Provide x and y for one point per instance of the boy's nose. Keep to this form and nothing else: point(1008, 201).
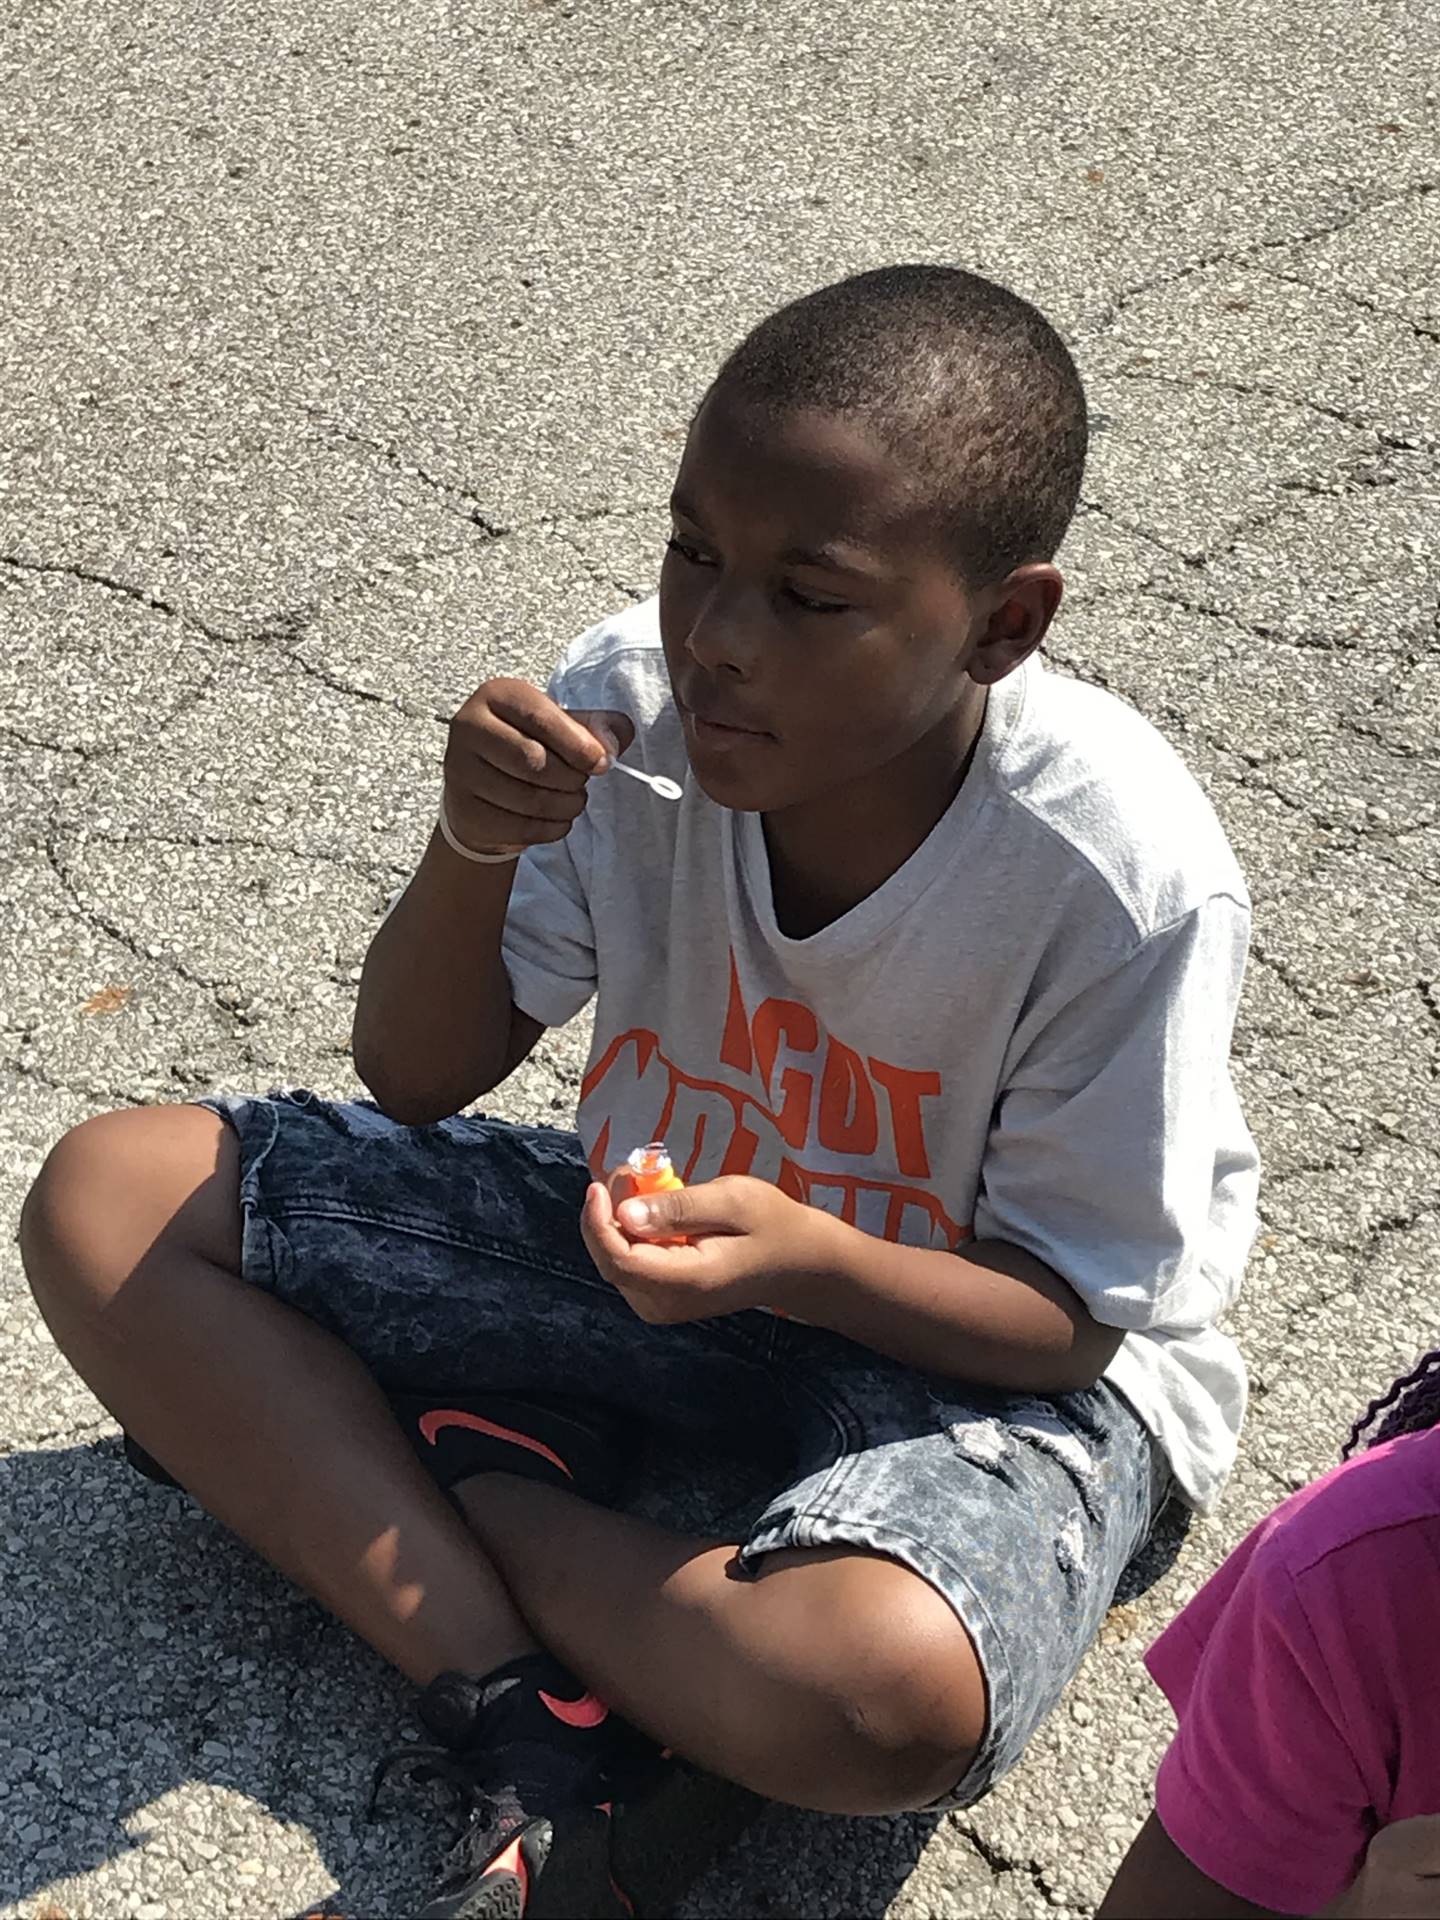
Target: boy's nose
point(722, 637)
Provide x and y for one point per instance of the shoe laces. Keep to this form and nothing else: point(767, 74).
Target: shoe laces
point(474, 1808)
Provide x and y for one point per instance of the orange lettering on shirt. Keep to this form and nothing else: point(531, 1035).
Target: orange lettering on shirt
point(736, 1122)
point(906, 1089)
point(848, 1120)
point(735, 1048)
point(788, 1020)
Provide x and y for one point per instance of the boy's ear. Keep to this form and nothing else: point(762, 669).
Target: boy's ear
point(1020, 609)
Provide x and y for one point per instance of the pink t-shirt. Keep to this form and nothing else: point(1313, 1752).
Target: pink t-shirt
point(1306, 1680)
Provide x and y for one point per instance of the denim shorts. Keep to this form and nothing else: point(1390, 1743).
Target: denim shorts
point(449, 1259)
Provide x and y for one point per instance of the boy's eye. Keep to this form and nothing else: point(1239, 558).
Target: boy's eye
point(688, 553)
point(694, 556)
point(812, 605)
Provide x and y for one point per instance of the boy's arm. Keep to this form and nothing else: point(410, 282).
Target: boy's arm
point(995, 1314)
point(1116, 1194)
point(435, 1023)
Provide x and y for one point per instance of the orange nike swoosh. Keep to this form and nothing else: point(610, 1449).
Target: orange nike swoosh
point(512, 1860)
point(587, 1711)
point(442, 1417)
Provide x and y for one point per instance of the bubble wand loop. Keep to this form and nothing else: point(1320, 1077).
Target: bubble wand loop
point(657, 782)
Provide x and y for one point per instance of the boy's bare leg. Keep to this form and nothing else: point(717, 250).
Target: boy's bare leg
point(837, 1681)
point(131, 1240)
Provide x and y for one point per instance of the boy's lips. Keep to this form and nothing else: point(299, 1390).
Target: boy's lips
point(713, 723)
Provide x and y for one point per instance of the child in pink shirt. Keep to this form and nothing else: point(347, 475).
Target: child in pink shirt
point(1305, 1679)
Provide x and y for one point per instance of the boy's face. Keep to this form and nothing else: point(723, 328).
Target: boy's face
point(813, 630)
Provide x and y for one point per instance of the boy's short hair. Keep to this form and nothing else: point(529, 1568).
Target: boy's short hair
point(963, 379)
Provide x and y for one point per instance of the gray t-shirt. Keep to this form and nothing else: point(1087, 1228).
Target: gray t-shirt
point(1022, 1035)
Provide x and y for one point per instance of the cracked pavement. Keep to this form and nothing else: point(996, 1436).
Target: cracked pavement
point(348, 351)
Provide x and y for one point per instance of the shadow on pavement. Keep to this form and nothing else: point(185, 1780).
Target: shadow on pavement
point(1158, 1555)
point(148, 1659)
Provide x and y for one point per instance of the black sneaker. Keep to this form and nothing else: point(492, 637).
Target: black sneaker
point(570, 1442)
point(505, 1866)
point(575, 1443)
point(531, 1763)
point(670, 1823)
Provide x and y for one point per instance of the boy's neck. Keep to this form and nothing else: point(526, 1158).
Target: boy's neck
point(829, 854)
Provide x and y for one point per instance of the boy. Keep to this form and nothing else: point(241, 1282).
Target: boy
point(928, 983)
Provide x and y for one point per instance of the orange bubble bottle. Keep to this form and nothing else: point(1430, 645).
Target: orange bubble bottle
point(649, 1169)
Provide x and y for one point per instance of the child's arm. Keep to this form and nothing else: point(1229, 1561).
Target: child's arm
point(435, 1024)
point(994, 1314)
point(1400, 1880)
point(435, 1020)
point(1288, 1673)
point(1116, 1193)
point(1157, 1881)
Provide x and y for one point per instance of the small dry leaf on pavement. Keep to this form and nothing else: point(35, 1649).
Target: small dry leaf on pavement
point(107, 1000)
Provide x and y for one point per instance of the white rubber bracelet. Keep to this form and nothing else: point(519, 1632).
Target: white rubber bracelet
point(447, 834)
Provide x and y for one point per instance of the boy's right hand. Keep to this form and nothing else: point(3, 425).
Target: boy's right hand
point(517, 765)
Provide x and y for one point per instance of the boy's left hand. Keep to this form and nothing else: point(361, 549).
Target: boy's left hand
point(746, 1244)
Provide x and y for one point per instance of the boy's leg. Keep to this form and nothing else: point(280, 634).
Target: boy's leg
point(832, 1679)
point(809, 1666)
point(131, 1240)
point(842, 1679)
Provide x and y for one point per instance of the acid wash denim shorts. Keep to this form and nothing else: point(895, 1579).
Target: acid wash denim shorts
point(449, 1259)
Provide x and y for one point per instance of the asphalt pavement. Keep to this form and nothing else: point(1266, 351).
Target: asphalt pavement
point(345, 356)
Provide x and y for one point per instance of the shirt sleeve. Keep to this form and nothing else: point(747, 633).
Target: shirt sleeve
point(1118, 1154)
point(549, 941)
point(1260, 1789)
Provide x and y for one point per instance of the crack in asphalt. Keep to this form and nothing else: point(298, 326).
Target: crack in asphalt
point(93, 1090)
point(1240, 256)
point(38, 745)
point(1204, 609)
point(392, 702)
point(596, 572)
point(197, 839)
point(1354, 298)
point(67, 1430)
point(91, 577)
point(1187, 556)
point(113, 930)
point(999, 1862)
point(1261, 955)
point(1360, 1255)
point(390, 456)
point(1358, 1115)
point(1265, 390)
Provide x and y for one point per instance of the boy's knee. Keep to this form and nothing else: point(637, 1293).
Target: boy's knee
point(61, 1220)
point(895, 1665)
point(922, 1725)
point(112, 1187)
point(917, 1698)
